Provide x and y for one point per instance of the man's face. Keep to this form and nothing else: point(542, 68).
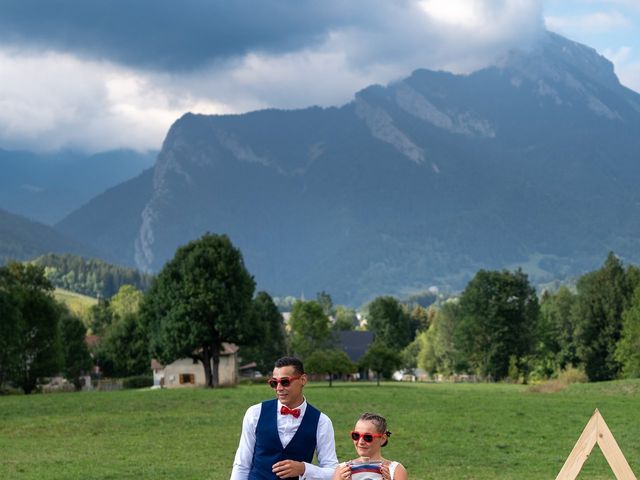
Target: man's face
point(290, 396)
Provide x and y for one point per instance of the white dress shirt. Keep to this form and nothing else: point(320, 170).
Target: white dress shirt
point(287, 428)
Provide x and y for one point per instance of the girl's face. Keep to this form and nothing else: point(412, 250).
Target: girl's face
point(364, 448)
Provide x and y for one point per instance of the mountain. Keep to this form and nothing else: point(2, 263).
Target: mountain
point(532, 162)
point(48, 186)
point(23, 239)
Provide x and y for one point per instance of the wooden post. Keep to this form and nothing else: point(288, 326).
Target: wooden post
point(598, 432)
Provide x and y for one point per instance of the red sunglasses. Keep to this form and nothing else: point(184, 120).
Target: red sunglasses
point(367, 437)
point(284, 381)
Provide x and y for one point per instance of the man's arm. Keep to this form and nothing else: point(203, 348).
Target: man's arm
point(244, 454)
point(326, 449)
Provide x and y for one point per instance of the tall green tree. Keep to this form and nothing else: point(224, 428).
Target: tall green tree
point(201, 298)
point(556, 329)
point(36, 336)
point(628, 347)
point(498, 312)
point(438, 350)
point(332, 362)
point(390, 323)
point(346, 319)
point(127, 301)
point(325, 301)
point(75, 353)
point(382, 359)
point(124, 347)
point(273, 345)
point(310, 329)
point(9, 329)
point(601, 298)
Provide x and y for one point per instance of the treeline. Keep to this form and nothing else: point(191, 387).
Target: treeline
point(90, 277)
point(497, 329)
point(38, 336)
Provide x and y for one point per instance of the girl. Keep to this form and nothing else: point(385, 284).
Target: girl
point(369, 436)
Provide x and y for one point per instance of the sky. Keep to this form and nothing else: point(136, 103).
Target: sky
point(100, 75)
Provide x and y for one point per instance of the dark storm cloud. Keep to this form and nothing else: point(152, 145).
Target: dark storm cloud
point(170, 34)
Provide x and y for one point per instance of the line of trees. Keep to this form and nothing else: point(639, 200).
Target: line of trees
point(497, 328)
point(90, 277)
point(38, 336)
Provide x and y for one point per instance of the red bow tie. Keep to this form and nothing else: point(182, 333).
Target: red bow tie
point(290, 411)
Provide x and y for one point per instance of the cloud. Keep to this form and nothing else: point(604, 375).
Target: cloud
point(102, 75)
point(596, 22)
point(627, 62)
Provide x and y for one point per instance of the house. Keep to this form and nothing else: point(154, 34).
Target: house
point(355, 344)
point(186, 372)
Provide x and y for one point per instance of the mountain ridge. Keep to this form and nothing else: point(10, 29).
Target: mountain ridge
point(418, 183)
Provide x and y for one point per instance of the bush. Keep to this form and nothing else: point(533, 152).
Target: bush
point(139, 381)
point(7, 390)
point(565, 377)
point(572, 375)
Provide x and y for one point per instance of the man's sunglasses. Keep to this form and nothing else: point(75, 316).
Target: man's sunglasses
point(367, 437)
point(284, 381)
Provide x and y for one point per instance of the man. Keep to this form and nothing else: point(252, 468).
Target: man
point(280, 436)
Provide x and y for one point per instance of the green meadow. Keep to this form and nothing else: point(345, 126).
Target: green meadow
point(440, 431)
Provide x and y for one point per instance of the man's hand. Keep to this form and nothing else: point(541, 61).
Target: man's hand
point(288, 468)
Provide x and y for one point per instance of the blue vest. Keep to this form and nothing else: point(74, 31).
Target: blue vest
point(268, 449)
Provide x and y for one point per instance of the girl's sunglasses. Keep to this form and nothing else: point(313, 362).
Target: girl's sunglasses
point(367, 437)
point(284, 381)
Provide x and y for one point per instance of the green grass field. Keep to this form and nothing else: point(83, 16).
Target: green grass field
point(77, 303)
point(439, 431)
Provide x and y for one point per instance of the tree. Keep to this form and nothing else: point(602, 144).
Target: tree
point(498, 312)
point(124, 348)
point(438, 350)
point(325, 301)
point(100, 317)
point(310, 329)
point(36, 341)
point(9, 333)
point(201, 298)
point(556, 329)
point(602, 297)
point(331, 362)
point(75, 353)
point(380, 358)
point(346, 319)
point(272, 343)
point(628, 348)
point(389, 322)
point(127, 301)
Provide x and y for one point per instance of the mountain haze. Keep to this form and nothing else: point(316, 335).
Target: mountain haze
point(48, 186)
point(532, 162)
point(24, 239)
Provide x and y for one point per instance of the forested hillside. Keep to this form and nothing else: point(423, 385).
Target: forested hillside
point(23, 239)
point(91, 277)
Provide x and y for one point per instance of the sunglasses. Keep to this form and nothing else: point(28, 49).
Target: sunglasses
point(284, 381)
point(367, 437)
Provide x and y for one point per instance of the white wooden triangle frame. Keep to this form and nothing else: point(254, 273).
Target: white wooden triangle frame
point(596, 431)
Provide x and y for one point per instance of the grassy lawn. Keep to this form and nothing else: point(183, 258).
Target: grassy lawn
point(439, 431)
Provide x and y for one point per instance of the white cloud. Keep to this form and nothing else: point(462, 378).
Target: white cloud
point(595, 22)
point(627, 66)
